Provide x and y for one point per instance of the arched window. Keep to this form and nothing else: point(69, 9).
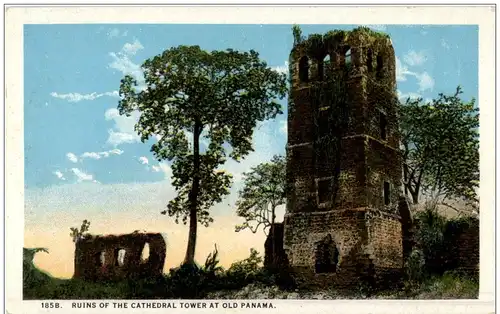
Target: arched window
point(383, 126)
point(347, 57)
point(369, 60)
point(120, 257)
point(387, 193)
point(327, 256)
point(322, 65)
point(145, 253)
point(304, 69)
point(101, 258)
point(380, 66)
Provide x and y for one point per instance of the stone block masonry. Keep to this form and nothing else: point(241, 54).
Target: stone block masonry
point(343, 223)
point(117, 257)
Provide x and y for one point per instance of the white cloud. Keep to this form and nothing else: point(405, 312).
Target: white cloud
point(82, 176)
point(91, 155)
point(72, 157)
point(284, 127)
point(404, 96)
point(76, 97)
point(117, 138)
point(59, 175)
point(413, 58)
point(143, 160)
point(163, 167)
point(425, 82)
point(99, 155)
point(114, 32)
point(124, 127)
point(121, 61)
point(377, 27)
point(116, 151)
point(155, 168)
point(132, 48)
point(401, 71)
point(282, 68)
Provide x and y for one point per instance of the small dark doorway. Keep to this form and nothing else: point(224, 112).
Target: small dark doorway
point(369, 61)
point(304, 69)
point(325, 190)
point(387, 193)
point(327, 256)
point(380, 66)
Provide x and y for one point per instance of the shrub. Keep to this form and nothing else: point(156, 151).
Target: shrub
point(430, 239)
point(194, 281)
point(243, 272)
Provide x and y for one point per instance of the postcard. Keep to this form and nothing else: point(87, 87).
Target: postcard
point(258, 158)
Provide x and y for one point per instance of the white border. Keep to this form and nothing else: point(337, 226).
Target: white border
point(483, 16)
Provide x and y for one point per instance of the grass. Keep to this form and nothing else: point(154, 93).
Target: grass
point(39, 285)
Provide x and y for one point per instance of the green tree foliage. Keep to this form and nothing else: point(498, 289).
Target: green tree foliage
point(440, 142)
point(297, 34)
point(192, 95)
point(263, 191)
point(76, 233)
point(247, 268)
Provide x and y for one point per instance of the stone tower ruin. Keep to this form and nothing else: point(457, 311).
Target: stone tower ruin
point(344, 170)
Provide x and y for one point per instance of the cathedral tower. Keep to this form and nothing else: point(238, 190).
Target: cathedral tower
point(344, 167)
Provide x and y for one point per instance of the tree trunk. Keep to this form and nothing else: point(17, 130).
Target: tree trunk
point(273, 242)
point(193, 197)
point(405, 179)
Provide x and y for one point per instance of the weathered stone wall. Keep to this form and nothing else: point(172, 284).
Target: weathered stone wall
point(275, 256)
point(96, 257)
point(463, 240)
point(304, 230)
point(385, 240)
point(467, 245)
point(344, 169)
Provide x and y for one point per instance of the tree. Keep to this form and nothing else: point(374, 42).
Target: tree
point(76, 234)
point(297, 34)
point(219, 96)
point(440, 145)
point(263, 191)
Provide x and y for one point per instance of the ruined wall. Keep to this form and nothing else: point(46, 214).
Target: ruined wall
point(275, 256)
point(385, 240)
point(463, 240)
point(344, 169)
point(97, 257)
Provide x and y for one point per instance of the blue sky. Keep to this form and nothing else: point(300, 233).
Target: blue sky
point(72, 74)
point(83, 160)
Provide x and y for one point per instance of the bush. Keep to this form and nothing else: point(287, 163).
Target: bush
point(450, 285)
point(435, 254)
point(431, 241)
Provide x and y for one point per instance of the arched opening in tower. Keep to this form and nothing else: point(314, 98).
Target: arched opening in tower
point(101, 258)
point(348, 58)
point(323, 66)
point(383, 126)
point(145, 253)
point(120, 257)
point(369, 60)
point(380, 66)
point(304, 69)
point(327, 256)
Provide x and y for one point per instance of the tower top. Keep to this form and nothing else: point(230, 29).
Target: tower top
point(360, 51)
point(318, 45)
